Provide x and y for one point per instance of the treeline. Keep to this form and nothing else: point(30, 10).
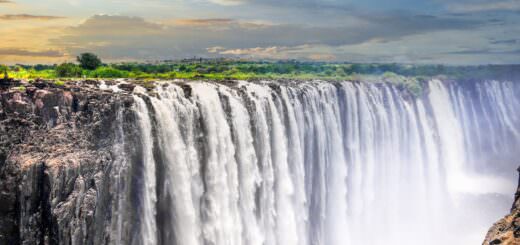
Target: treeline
point(324, 69)
point(90, 66)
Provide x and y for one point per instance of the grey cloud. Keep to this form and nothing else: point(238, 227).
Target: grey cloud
point(475, 6)
point(496, 20)
point(293, 4)
point(470, 51)
point(203, 22)
point(508, 41)
point(228, 2)
point(483, 51)
point(131, 37)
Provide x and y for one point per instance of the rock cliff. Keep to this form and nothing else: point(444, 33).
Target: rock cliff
point(507, 230)
point(55, 161)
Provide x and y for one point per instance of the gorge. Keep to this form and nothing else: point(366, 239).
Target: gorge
point(258, 162)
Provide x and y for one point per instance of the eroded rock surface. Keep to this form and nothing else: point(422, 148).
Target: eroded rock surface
point(507, 230)
point(55, 160)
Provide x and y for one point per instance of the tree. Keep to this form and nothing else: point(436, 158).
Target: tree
point(89, 61)
point(68, 70)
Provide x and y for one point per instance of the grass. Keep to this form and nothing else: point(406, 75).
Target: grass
point(32, 74)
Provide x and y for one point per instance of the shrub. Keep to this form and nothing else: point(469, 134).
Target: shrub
point(68, 70)
point(109, 72)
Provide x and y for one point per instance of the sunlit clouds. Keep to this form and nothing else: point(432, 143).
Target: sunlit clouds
point(480, 32)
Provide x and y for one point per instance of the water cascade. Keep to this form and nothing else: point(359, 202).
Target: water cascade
point(321, 163)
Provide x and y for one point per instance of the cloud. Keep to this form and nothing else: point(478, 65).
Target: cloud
point(228, 2)
point(506, 42)
point(202, 22)
point(5, 1)
point(260, 52)
point(122, 36)
point(28, 17)
point(322, 5)
point(215, 49)
point(484, 6)
point(100, 26)
point(303, 52)
point(24, 52)
point(485, 51)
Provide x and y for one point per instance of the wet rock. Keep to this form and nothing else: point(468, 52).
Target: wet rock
point(496, 241)
point(127, 87)
point(187, 90)
point(40, 84)
point(507, 230)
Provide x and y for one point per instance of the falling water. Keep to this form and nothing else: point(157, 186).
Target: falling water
point(322, 163)
point(148, 226)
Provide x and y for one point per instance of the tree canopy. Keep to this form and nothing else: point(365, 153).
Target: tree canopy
point(89, 61)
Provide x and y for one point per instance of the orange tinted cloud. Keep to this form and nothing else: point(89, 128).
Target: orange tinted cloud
point(28, 17)
point(28, 41)
point(24, 52)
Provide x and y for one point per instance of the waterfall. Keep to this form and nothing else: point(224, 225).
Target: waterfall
point(322, 163)
point(149, 197)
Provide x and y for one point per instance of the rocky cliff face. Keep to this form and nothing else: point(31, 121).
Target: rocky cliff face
point(55, 162)
point(507, 230)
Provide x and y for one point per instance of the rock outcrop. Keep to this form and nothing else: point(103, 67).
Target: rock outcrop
point(507, 230)
point(55, 159)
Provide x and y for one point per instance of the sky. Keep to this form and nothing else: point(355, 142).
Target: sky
point(454, 32)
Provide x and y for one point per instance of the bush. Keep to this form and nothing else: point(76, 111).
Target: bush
point(68, 70)
point(109, 72)
point(89, 61)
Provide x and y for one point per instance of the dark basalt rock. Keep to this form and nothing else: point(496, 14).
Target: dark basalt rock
point(55, 157)
point(187, 90)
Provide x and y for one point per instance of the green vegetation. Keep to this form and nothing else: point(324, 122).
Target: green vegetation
point(219, 69)
point(410, 77)
point(68, 70)
point(89, 61)
point(59, 83)
point(4, 71)
point(411, 83)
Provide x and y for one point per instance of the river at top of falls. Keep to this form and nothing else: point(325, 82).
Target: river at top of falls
point(321, 163)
